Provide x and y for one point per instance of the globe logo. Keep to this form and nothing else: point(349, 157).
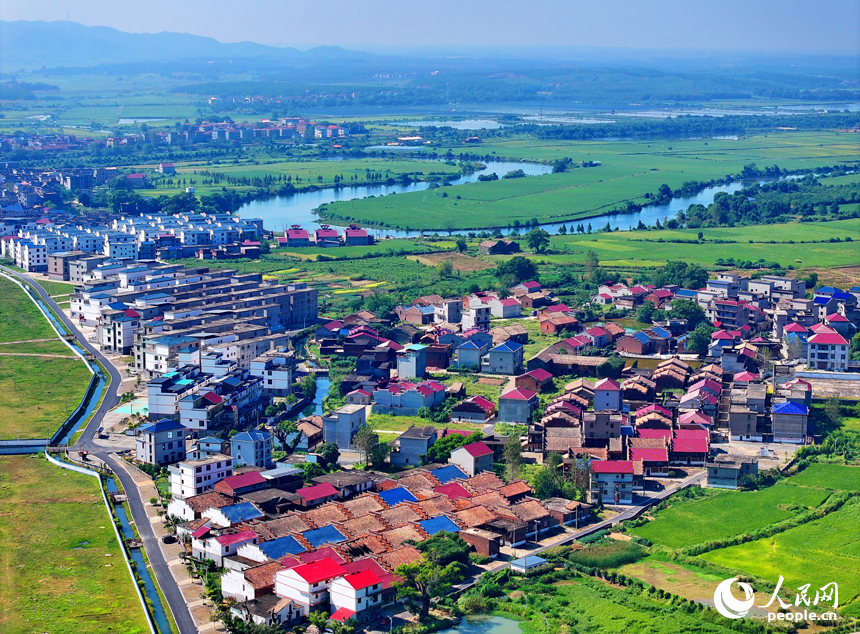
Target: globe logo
point(728, 605)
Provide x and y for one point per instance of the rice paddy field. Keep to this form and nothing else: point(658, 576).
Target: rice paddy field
point(819, 552)
point(723, 514)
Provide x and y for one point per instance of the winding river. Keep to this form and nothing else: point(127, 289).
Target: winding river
point(281, 211)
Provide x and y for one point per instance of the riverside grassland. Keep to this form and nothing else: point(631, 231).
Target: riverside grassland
point(41, 380)
point(627, 171)
point(62, 568)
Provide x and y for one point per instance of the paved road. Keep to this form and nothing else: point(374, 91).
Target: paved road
point(85, 443)
point(629, 513)
point(150, 542)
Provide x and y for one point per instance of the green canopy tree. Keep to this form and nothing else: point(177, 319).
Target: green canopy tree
point(538, 240)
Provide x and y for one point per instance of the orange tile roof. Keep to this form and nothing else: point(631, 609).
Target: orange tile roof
point(363, 504)
point(263, 576)
point(400, 515)
point(403, 555)
point(327, 514)
point(397, 536)
point(475, 516)
point(515, 488)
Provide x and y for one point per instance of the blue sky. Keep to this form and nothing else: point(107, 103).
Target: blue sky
point(823, 26)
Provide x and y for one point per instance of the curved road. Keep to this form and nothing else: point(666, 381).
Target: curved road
point(111, 399)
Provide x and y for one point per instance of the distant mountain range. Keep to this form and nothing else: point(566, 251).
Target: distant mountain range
point(26, 44)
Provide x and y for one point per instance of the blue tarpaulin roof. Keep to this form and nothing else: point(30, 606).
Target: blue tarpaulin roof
point(446, 474)
point(241, 512)
point(281, 547)
point(325, 535)
point(396, 496)
point(439, 524)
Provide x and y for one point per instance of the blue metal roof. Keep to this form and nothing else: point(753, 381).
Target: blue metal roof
point(822, 300)
point(446, 474)
point(531, 560)
point(164, 424)
point(250, 436)
point(242, 512)
point(641, 336)
point(438, 524)
point(661, 331)
point(842, 295)
point(828, 289)
point(398, 495)
point(790, 408)
point(281, 547)
point(325, 535)
point(469, 345)
point(684, 293)
point(509, 346)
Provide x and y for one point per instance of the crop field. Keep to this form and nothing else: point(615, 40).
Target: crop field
point(459, 261)
point(725, 513)
point(39, 392)
point(628, 170)
point(819, 552)
point(642, 248)
point(62, 568)
point(828, 476)
point(589, 605)
point(395, 246)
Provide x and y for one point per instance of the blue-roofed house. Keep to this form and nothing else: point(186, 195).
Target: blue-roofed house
point(397, 495)
point(790, 422)
point(322, 536)
point(686, 293)
point(505, 358)
point(469, 355)
point(272, 550)
point(253, 448)
point(446, 474)
point(233, 514)
point(636, 343)
point(826, 291)
point(524, 565)
point(160, 443)
point(438, 524)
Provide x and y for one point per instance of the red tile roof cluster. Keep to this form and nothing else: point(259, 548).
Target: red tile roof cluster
point(235, 538)
point(320, 570)
point(519, 394)
point(317, 491)
point(612, 466)
point(478, 449)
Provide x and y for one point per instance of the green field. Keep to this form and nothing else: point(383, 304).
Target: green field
point(391, 247)
point(642, 248)
point(828, 476)
point(64, 571)
point(39, 393)
point(628, 170)
point(819, 552)
point(402, 423)
point(723, 514)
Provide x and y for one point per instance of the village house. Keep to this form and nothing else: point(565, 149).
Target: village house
point(506, 358)
point(473, 458)
point(409, 446)
point(611, 482)
point(475, 409)
point(728, 470)
point(517, 405)
point(536, 380)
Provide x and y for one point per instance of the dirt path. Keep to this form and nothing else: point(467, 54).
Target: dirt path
point(9, 343)
point(33, 354)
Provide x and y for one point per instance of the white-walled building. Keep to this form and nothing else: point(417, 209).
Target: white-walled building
point(308, 585)
point(193, 477)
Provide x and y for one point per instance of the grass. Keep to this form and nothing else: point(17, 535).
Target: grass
point(828, 476)
point(53, 581)
point(612, 555)
point(56, 289)
point(391, 247)
point(628, 170)
point(589, 605)
point(724, 514)
point(38, 392)
point(402, 423)
point(819, 552)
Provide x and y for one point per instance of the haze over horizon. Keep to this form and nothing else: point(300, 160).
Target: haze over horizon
point(791, 26)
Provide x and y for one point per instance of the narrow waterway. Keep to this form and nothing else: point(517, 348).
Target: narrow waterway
point(136, 554)
point(486, 625)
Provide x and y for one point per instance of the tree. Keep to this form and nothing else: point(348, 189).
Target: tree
point(461, 245)
point(793, 347)
point(308, 385)
point(449, 225)
point(689, 310)
point(329, 454)
point(445, 268)
point(833, 410)
point(440, 450)
point(538, 240)
point(312, 470)
point(591, 265)
point(320, 619)
point(379, 454)
point(699, 340)
point(364, 440)
point(424, 580)
point(517, 269)
point(546, 483)
point(646, 312)
point(513, 456)
point(855, 346)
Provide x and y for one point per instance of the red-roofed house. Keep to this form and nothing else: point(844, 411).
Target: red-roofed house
point(354, 236)
point(607, 395)
point(611, 482)
point(357, 594)
point(218, 547)
point(516, 406)
point(237, 485)
point(598, 336)
point(655, 460)
point(297, 237)
point(689, 447)
point(473, 409)
point(325, 236)
point(535, 381)
point(453, 490)
point(317, 494)
point(827, 351)
point(473, 458)
point(308, 584)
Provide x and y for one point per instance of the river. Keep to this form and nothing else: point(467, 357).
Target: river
point(282, 211)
